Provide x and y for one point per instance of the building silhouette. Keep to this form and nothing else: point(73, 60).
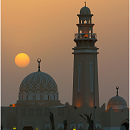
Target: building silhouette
point(39, 107)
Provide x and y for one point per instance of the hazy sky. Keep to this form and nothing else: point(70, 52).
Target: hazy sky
point(45, 29)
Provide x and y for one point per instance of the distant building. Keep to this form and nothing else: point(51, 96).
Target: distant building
point(39, 107)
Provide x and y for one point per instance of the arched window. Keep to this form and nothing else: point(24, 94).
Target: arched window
point(125, 126)
point(89, 31)
point(60, 128)
point(30, 96)
point(80, 31)
point(47, 126)
point(38, 96)
point(56, 96)
point(51, 96)
point(45, 96)
point(85, 22)
point(24, 96)
point(80, 128)
point(89, 21)
point(20, 96)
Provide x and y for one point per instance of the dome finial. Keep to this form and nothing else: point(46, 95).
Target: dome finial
point(85, 3)
point(38, 60)
point(117, 90)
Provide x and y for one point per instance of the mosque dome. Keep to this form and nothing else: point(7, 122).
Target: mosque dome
point(38, 81)
point(117, 103)
point(85, 10)
point(38, 86)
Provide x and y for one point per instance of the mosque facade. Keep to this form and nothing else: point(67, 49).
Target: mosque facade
point(39, 107)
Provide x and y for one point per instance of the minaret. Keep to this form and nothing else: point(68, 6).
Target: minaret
point(85, 75)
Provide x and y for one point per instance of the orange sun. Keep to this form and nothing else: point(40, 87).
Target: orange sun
point(22, 60)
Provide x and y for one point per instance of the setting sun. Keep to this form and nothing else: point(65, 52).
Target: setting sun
point(22, 60)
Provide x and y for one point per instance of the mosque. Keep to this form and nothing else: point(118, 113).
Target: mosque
point(39, 107)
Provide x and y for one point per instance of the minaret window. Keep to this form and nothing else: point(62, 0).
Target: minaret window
point(82, 21)
point(91, 76)
point(80, 31)
point(89, 31)
point(85, 22)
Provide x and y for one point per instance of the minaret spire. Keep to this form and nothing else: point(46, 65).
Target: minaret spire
point(117, 90)
point(38, 60)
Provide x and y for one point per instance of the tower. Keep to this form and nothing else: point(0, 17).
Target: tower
point(85, 75)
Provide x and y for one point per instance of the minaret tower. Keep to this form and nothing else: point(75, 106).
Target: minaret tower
point(85, 75)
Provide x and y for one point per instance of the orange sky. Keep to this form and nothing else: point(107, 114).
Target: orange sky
point(46, 29)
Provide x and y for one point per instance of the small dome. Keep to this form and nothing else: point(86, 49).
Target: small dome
point(117, 103)
point(38, 86)
point(85, 10)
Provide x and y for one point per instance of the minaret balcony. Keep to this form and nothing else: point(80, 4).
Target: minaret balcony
point(85, 36)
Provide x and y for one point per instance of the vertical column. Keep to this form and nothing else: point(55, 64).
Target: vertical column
point(91, 76)
point(79, 75)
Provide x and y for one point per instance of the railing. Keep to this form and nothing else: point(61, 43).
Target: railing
point(85, 35)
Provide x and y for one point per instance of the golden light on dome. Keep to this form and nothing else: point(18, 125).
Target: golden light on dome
point(22, 60)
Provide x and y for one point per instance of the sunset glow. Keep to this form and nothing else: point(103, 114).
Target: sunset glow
point(29, 26)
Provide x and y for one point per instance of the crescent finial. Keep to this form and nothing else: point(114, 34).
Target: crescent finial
point(85, 3)
point(117, 90)
point(38, 60)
